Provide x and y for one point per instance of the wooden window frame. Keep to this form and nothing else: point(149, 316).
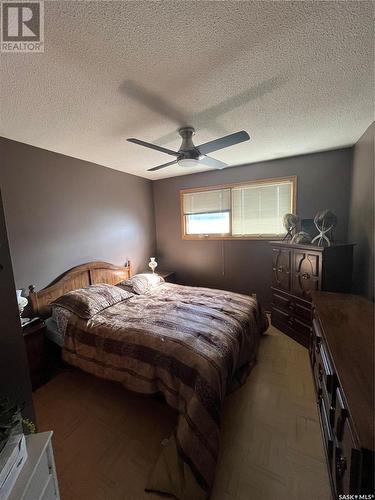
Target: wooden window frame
point(265, 237)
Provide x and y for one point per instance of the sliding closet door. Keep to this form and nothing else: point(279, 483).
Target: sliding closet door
point(14, 373)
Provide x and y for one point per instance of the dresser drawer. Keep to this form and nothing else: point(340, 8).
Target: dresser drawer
point(49, 492)
point(329, 403)
point(288, 323)
point(38, 480)
point(315, 340)
point(340, 416)
point(327, 434)
point(316, 326)
point(303, 310)
point(281, 300)
point(299, 308)
point(318, 384)
point(326, 373)
point(346, 459)
point(289, 318)
point(312, 344)
point(302, 327)
point(281, 319)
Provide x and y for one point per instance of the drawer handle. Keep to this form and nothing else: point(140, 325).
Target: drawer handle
point(290, 320)
point(341, 466)
point(320, 376)
point(280, 269)
point(291, 305)
point(305, 276)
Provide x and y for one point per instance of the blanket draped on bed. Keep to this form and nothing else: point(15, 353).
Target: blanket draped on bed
point(191, 344)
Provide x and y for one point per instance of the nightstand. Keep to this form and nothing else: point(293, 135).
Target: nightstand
point(169, 276)
point(34, 336)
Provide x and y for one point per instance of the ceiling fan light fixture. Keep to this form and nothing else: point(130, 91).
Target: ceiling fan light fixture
point(188, 162)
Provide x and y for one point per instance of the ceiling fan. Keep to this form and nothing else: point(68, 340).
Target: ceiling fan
point(189, 155)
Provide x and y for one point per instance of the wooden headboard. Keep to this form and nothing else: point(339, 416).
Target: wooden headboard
point(81, 276)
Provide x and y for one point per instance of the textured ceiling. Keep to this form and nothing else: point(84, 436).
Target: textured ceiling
point(298, 76)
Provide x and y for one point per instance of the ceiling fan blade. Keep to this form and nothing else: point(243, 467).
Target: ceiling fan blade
point(161, 166)
point(152, 146)
point(224, 142)
point(212, 162)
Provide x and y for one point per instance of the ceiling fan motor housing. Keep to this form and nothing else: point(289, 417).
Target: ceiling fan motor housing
point(187, 148)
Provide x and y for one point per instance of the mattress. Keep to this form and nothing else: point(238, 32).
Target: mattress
point(53, 333)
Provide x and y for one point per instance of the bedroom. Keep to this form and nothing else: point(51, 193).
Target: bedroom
point(297, 78)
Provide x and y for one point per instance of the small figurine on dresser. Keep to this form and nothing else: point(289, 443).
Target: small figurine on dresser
point(325, 221)
point(290, 222)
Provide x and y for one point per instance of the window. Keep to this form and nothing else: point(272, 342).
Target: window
point(251, 210)
point(207, 212)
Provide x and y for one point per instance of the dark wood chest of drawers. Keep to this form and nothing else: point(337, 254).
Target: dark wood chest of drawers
point(342, 362)
point(299, 270)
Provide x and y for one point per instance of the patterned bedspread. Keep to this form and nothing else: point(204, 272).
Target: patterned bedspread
point(191, 344)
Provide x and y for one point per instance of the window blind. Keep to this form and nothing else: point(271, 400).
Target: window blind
point(258, 209)
point(206, 202)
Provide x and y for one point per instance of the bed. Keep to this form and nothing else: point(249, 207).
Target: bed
point(191, 344)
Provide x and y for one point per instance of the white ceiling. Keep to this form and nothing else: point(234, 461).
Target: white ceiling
point(298, 76)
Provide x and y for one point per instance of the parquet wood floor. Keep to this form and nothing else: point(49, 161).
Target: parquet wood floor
point(106, 440)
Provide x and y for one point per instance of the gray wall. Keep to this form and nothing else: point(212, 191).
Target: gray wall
point(361, 222)
point(14, 372)
point(61, 212)
point(245, 266)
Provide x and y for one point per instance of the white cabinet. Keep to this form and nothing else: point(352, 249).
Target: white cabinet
point(37, 480)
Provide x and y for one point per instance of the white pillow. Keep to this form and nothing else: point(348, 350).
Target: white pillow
point(143, 283)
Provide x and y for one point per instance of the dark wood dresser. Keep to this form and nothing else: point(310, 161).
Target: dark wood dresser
point(297, 271)
point(342, 361)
